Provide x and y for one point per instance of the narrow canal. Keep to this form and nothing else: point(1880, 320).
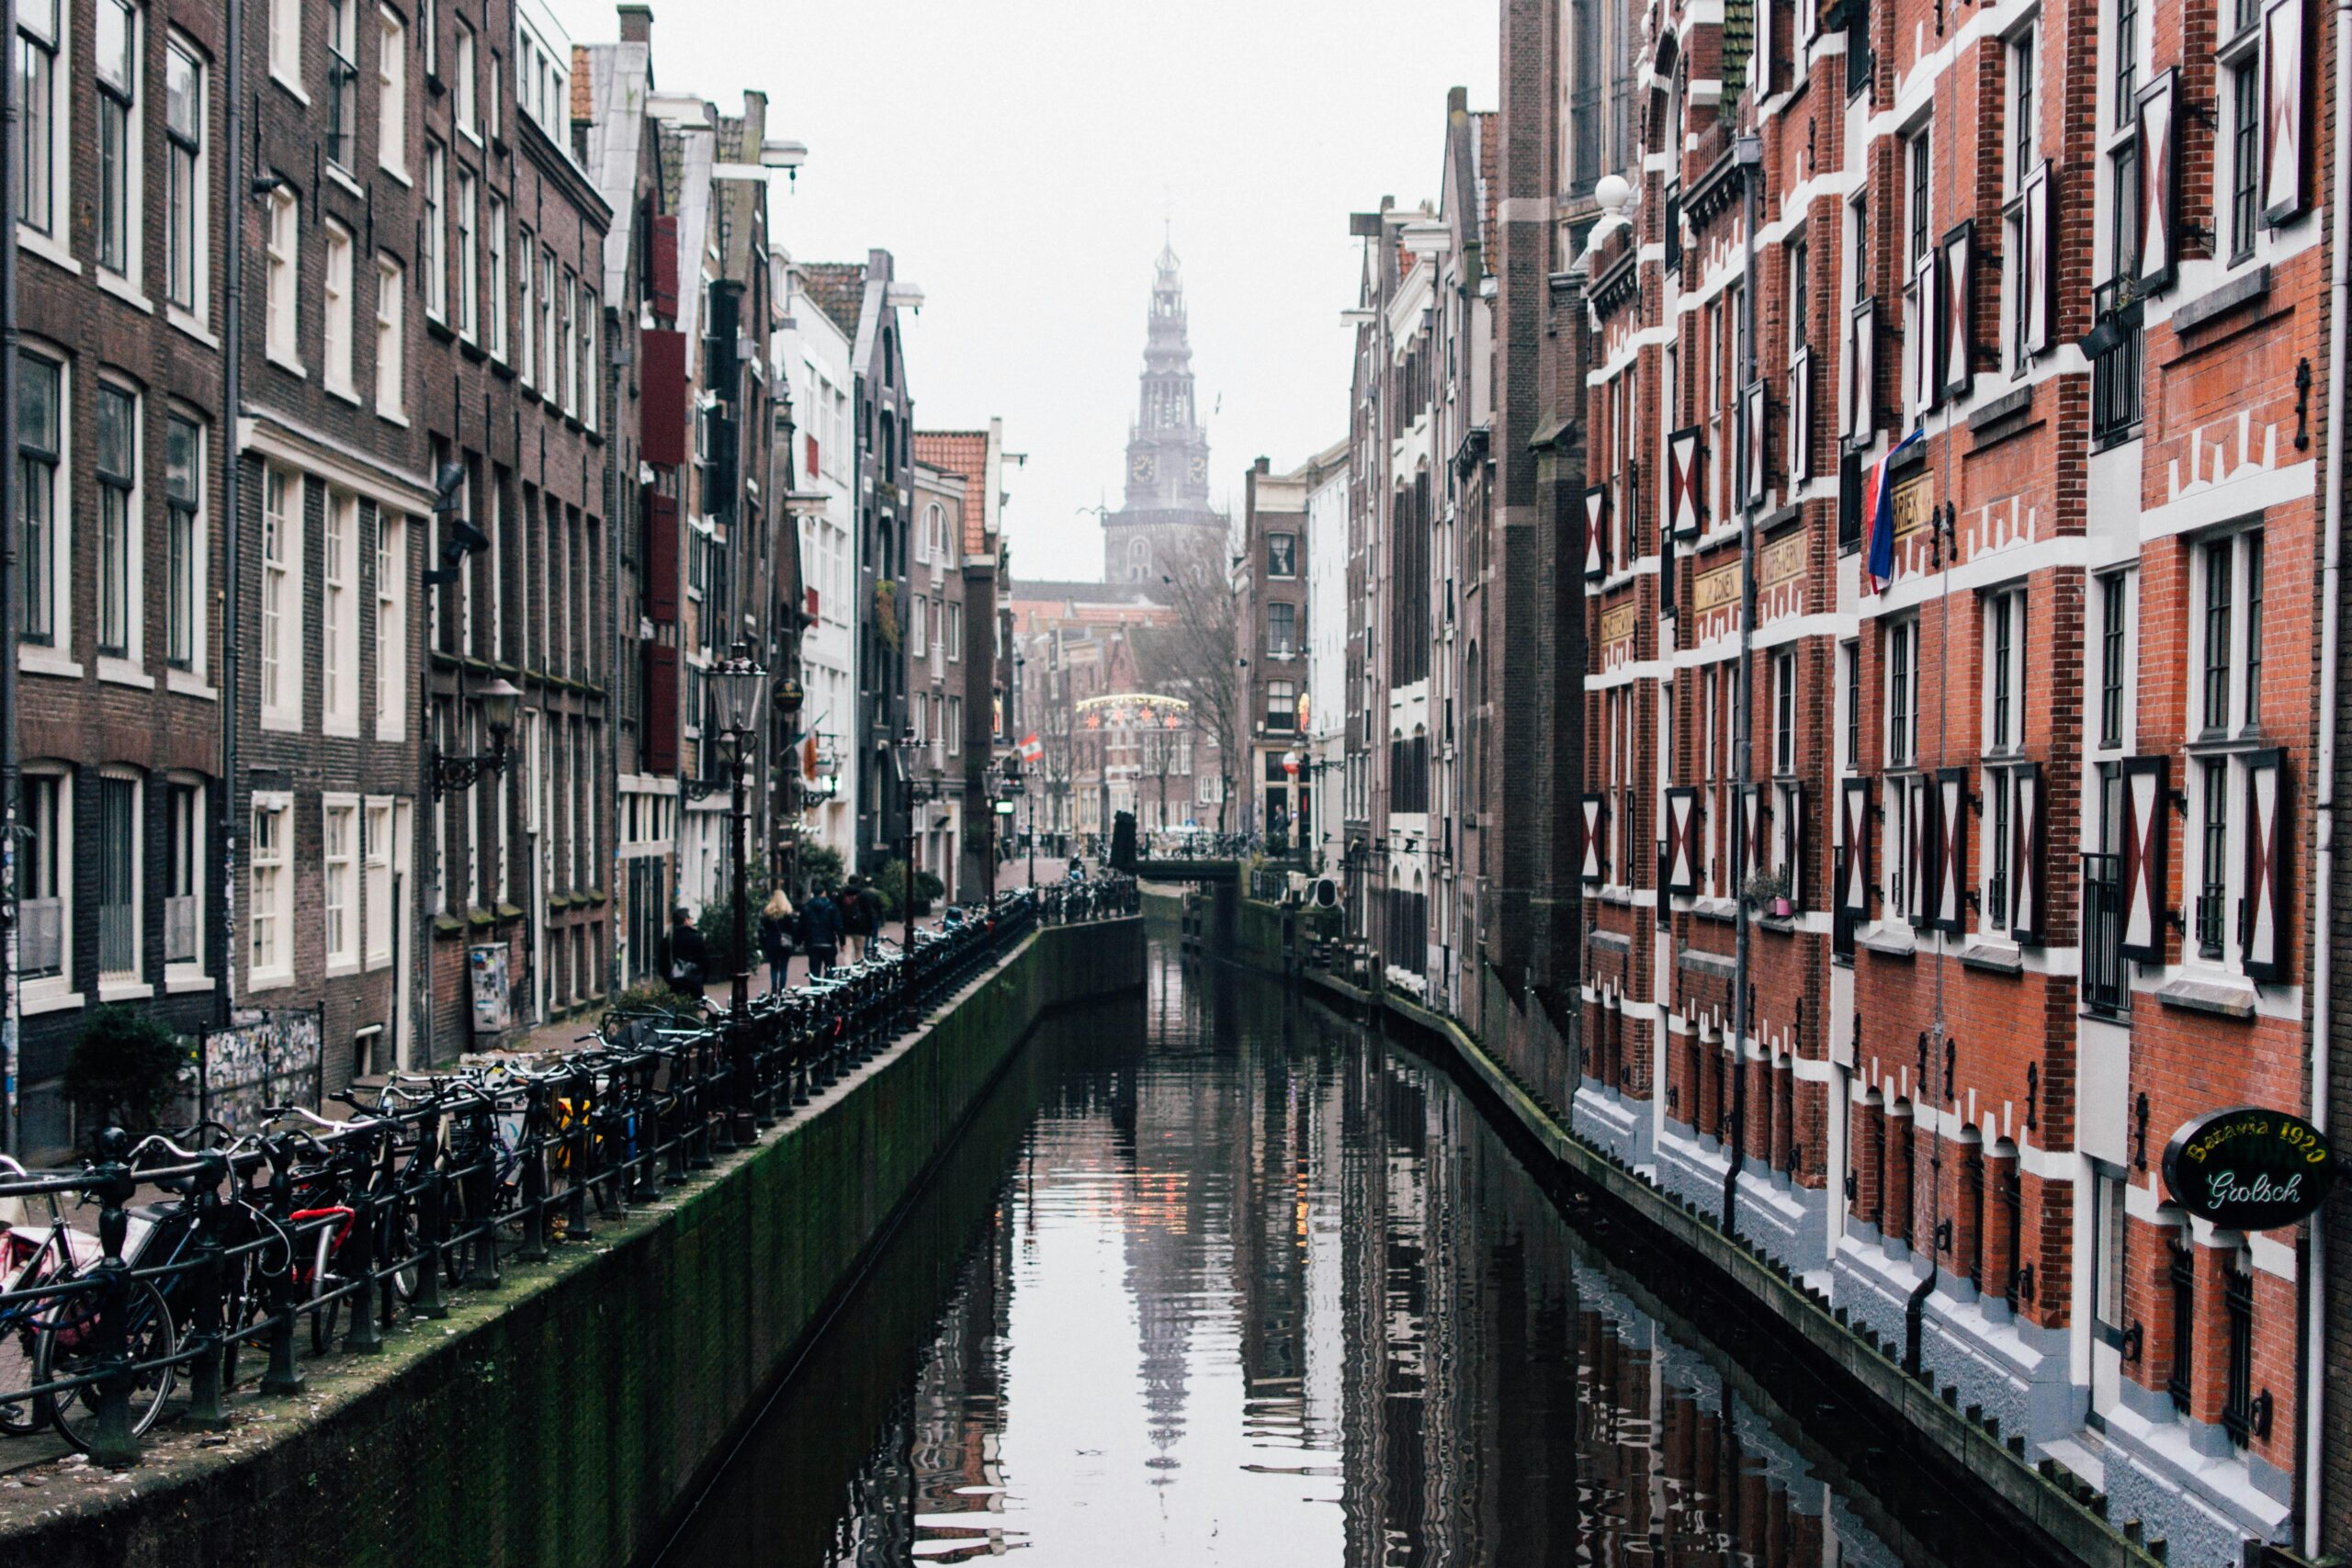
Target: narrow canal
point(1218, 1277)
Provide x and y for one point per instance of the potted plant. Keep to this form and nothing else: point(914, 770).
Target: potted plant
point(1769, 891)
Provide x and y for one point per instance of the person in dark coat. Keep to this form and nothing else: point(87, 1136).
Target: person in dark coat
point(857, 914)
point(775, 939)
point(689, 954)
point(820, 920)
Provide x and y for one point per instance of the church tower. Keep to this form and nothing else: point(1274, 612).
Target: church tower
point(1167, 517)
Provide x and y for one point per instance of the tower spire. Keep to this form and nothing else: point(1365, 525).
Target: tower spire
point(1168, 448)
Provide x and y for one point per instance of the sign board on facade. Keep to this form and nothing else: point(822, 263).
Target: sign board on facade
point(1716, 589)
point(2248, 1169)
point(1915, 499)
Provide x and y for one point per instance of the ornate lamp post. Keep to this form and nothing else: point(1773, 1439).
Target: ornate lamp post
point(735, 682)
point(501, 702)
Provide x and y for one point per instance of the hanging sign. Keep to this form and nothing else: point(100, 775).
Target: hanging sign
point(2248, 1169)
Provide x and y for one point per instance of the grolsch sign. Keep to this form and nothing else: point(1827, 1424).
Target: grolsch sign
point(2249, 1170)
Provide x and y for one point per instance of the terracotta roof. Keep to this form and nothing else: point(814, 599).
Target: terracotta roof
point(839, 290)
point(963, 452)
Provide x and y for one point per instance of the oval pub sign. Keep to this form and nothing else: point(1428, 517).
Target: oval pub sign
point(2249, 1170)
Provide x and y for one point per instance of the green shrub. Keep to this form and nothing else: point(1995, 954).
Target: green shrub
point(717, 925)
point(820, 866)
point(655, 995)
point(124, 1071)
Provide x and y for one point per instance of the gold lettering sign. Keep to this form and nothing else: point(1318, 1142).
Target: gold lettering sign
point(1617, 623)
point(1716, 589)
point(1781, 561)
point(1915, 498)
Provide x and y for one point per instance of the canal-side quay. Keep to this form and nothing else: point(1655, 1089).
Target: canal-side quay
point(567, 1416)
point(1953, 1441)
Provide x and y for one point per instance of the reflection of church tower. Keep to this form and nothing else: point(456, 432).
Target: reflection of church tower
point(1167, 518)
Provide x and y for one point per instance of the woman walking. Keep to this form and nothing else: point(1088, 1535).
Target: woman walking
point(775, 939)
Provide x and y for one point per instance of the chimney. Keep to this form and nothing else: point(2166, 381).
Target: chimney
point(636, 24)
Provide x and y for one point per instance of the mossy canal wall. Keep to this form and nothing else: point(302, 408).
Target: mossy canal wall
point(564, 1418)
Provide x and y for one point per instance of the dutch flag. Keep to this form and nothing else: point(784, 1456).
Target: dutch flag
point(1881, 554)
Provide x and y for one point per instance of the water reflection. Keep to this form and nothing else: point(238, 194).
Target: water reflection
point(1214, 1279)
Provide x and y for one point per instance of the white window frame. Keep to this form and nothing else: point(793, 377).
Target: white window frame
point(125, 663)
point(123, 985)
point(955, 638)
point(53, 654)
point(52, 127)
point(339, 892)
point(591, 369)
point(196, 832)
point(48, 993)
point(336, 288)
point(392, 344)
point(189, 674)
point(392, 624)
point(567, 291)
point(527, 282)
point(377, 915)
point(286, 46)
point(2221, 751)
point(463, 89)
point(497, 281)
point(339, 614)
point(432, 244)
point(188, 240)
point(270, 902)
point(468, 256)
point(281, 586)
point(391, 93)
point(283, 319)
point(2005, 633)
point(134, 157)
point(955, 726)
point(1902, 657)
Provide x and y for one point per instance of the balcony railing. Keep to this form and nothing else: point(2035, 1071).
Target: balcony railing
point(2115, 364)
point(2106, 984)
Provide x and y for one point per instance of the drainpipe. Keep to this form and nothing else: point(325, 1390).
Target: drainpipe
point(1748, 153)
point(11, 758)
point(232, 337)
point(2314, 1271)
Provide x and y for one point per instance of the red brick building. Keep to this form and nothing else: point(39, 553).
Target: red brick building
point(1925, 902)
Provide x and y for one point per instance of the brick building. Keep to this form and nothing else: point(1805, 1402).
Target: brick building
point(1928, 894)
point(121, 454)
point(974, 663)
point(1270, 617)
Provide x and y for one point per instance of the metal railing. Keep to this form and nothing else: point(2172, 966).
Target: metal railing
point(2115, 368)
point(2106, 982)
point(429, 1184)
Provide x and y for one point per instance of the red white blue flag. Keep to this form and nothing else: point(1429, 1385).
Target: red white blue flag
point(1882, 550)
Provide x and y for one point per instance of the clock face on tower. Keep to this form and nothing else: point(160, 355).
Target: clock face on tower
point(1200, 468)
point(1144, 467)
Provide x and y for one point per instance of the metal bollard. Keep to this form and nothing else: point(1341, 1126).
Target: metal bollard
point(576, 1223)
point(364, 1336)
point(534, 1175)
point(283, 1375)
point(211, 1281)
point(482, 1181)
point(114, 1444)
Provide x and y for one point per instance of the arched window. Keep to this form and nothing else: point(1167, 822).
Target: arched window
point(1138, 559)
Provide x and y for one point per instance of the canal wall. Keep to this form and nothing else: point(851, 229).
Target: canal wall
point(1956, 1442)
point(564, 1419)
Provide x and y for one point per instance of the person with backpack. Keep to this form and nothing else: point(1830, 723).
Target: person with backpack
point(820, 922)
point(689, 954)
point(857, 914)
point(775, 939)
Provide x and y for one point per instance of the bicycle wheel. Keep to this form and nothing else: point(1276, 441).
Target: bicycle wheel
point(406, 1244)
point(20, 1414)
point(326, 1305)
point(71, 1352)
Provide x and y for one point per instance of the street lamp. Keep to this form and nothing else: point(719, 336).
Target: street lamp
point(736, 683)
point(501, 701)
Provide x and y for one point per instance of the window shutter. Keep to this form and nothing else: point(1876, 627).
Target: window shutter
point(2262, 920)
point(2159, 174)
point(1752, 824)
point(657, 740)
point(661, 268)
point(1808, 25)
point(2286, 113)
point(1854, 873)
point(1682, 841)
point(2036, 272)
point(1788, 839)
point(1800, 418)
point(1920, 853)
point(2030, 883)
point(661, 394)
point(1595, 842)
point(1951, 849)
point(1927, 323)
point(2147, 796)
point(1596, 518)
point(1761, 58)
point(1682, 482)
point(661, 558)
point(1861, 370)
point(1756, 449)
point(1960, 309)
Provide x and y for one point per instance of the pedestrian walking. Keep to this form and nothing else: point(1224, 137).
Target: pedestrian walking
point(857, 916)
point(689, 954)
point(821, 923)
point(775, 939)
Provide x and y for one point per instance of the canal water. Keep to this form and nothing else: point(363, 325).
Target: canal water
point(1216, 1277)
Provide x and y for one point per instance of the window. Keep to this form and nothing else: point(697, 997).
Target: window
point(342, 82)
point(336, 304)
point(286, 42)
point(590, 371)
point(2230, 655)
point(954, 633)
point(392, 93)
point(281, 599)
point(918, 628)
point(1281, 706)
point(46, 934)
point(428, 37)
point(2123, 156)
point(47, 547)
point(2244, 151)
point(185, 217)
point(1902, 694)
point(932, 522)
point(2235, 900)
point(118, 859)
point(464, 85)
point(571, 343)
point(2004, 667)
point(549, 354)
point(1784, 712)
point(955, 726)
point(1282, 555)
point(376, 862)
point(118, 466)
point(392, 369)
point(117, 71)
point(1799, 287)
point(270, 918)
point(1281, 631)
point(2024, 134)
point(429, 235)
point(2006, 664)
point(497, 278)
point(468, 256)
point(184, 542)
point(184, 875)
point(2213, 848)
point(1849, 657)
point(339, 836)
point(2111, 659)
point(391, 626)
point(524, 277)
point(339, 614)
point(38, 38)
point(284, 277)
point(1916, 154)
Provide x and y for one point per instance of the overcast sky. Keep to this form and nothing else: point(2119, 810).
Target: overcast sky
point(1018, 157)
